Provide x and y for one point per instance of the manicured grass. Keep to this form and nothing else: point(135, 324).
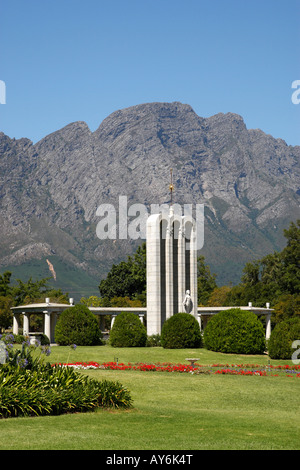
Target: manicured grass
point(151, 355)
point(172, 411)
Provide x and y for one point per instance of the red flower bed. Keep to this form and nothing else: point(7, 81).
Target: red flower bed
point(233, 369)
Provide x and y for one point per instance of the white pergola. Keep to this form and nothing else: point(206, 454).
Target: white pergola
point(51, 311)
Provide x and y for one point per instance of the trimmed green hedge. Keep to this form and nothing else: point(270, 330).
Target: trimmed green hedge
point(235, 331)
point(282, 337)
point(78, 325)
point(128, 331)
point(181, 331)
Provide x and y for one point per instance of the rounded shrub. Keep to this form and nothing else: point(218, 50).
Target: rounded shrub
point(181, 331)
point(235, 331)
point(128, 331)
point(282, 337)
point(77, 325)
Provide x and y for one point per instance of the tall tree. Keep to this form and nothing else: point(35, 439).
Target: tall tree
point(275, 278)
point(291, 259)
point(126, 279)
point(5, 288)
point(206, 282)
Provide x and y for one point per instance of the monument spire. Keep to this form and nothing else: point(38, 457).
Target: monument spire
point(171, 186)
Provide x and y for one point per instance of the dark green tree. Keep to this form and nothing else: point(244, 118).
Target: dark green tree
point(206, 282)
point(6, 302)
point(290, 281)
point(5, 287)
point(126, 279)
point(32, 291)
point(273, 277)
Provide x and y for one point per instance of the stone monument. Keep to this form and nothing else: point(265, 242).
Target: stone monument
point(171, 267)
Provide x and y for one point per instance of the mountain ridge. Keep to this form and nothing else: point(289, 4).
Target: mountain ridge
point(249, 182)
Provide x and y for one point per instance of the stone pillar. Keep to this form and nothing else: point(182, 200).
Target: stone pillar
point(169, 269)
point(141, 317)
point(26, 317)
point(113, 317)
point(47, 325)
point(193, 267)
point(268, 325)
point(153, 275)
point(181, 268)
point(16, 323)
point(199, 321)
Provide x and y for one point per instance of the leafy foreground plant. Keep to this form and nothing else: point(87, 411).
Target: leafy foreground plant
point(56, 391)
point(45, 390)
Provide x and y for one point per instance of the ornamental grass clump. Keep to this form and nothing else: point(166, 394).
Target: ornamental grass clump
point(31, 387)
point(235, 331)
point(56, 391)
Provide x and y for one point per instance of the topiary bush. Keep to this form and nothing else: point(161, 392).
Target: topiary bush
point(235, 331)
point(181, 331)
point(78, 325)
point(128, 331)
point(282, 337)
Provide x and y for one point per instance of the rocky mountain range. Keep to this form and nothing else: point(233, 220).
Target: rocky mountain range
point(248, 181)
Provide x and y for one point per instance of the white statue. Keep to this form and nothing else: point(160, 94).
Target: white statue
point(187, 303)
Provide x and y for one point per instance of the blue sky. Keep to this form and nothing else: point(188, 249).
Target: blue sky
point(68, 60)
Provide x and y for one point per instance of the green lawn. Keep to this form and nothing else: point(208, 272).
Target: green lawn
point(172, 411)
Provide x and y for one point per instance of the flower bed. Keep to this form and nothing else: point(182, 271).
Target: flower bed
point(233, 369)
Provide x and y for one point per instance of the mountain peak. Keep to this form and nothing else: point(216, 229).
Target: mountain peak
point(248, 182)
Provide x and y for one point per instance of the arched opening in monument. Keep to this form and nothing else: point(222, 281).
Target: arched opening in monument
point(175, 234)
point(163, 286)
point(187, 253)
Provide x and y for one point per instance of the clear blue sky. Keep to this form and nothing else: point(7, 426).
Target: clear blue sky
point(69, 60)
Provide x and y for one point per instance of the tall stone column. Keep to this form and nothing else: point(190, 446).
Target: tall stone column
point(268, 326)
point(169, 269)
point(181, 267)
point(16, 323)
point(193, 267)
point(26, 323)
point(153, 248)
point(47, 325)
point(113, 317)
